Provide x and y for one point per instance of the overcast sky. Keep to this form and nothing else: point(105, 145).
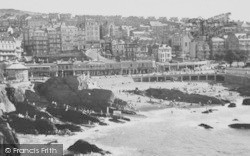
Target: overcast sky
point(240, 9)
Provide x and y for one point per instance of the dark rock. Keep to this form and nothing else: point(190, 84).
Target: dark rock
point(240, 126)
point(44, 126)
point(31, 110)
point(205, 126)
point(177, 95)
point(5, 103)
point(244, 91)
point(7, 137)
point(31, 126)
point(246, 101)
point(68, 90)
point(128, 112)
point(232, 105)
point(34, 97)
point(71, 127)
point(84, 147)
point(209, 111)
point(120, 117)
point(115, 120)
point(15, 94)
point(22, 125)
point(98, 115)
point(74, 116)
point(103, 124)
point(120, 104)
point(225, 101)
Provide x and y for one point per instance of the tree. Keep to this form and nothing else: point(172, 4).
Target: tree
point(230, 56)
point(242, 55)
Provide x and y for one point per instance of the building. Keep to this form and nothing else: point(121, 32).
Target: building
point(199, 49)
point(35, 22)
point(217, 46)
point(118, 48)
point(244, 41)
point(164, 53)
point(53, 16)
point(202, 50)
point(35, 42)
point(140, 34)
point(80, 39)
point(42, 70)
point(185, 46)
point(231, 42)
point(17, 72)
point(144, 27)
point(64, 17)
point(92, 29)
point(40, 43)
point(8, 49)
point(130, 51)
point(54, 41)
point(160, 31)
point(181, 44)
point(28, 34)
point(68, 37)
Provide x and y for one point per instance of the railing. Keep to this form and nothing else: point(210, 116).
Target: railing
point(239, 71)
point(35, 79)
point(178, 73)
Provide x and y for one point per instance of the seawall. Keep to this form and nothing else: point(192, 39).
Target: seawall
point(237, 79)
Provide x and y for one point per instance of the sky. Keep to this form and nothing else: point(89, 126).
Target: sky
point(240, 9)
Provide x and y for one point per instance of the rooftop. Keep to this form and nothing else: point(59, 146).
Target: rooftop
point(214, 39)
point(17, 66)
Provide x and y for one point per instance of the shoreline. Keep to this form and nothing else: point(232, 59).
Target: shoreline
point(145, 110)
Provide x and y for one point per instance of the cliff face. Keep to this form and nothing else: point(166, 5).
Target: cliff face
point(5, 103)
point(66, 91)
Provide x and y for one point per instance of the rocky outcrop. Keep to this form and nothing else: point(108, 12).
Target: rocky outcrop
point(244, 90)
point(173, 94)
point(8, 138)
point(231, 105)
point(15, 94)
point(66, 91)
point(30, 110)
point(246, 101)
point(83, 147)
point(240, 126)
point(209, 111)
point(70, 127)
point(5, 104)
point(31, 126)
point(34, 98)
point(70, 115)
point(205, 126)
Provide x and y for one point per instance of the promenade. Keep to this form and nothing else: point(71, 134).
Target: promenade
point(206, 75)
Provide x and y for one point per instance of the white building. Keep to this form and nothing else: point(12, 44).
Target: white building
point(164, 53)
point(244, 41)
point(9, 49)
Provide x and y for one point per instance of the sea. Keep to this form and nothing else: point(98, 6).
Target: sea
point(169, 132)
point(175, 132)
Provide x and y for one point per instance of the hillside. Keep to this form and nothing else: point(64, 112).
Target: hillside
point(14, 12)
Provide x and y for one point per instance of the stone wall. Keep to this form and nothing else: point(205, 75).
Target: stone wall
point(237, 79)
